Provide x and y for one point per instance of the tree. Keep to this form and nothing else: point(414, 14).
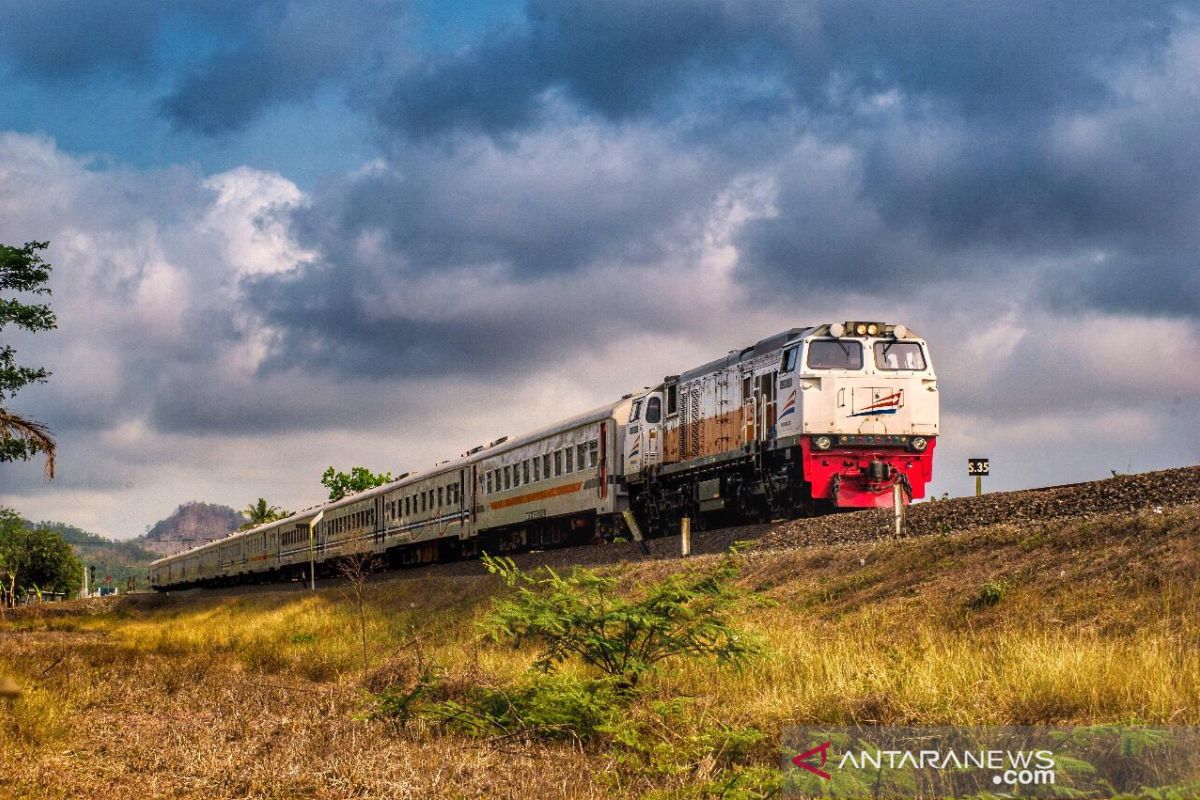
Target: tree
point(22, 270)
point(35, 560)
point(262, 512)
point(358, 479)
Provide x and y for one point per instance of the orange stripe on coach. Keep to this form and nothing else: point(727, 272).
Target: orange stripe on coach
point(544, 494)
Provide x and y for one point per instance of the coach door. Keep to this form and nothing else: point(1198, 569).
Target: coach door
point(380, 522)
point(464, 502)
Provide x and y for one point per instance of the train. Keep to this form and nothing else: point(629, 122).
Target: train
point(812, 420)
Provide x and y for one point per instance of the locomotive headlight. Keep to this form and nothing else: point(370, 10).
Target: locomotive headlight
point(860, 328)
point(919, 443)
point(822, 443)
point(872, 329)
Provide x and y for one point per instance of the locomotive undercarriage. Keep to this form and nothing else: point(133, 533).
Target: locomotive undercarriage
point(743, 487)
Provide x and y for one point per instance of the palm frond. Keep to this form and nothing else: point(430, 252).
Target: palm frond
point(13, 426)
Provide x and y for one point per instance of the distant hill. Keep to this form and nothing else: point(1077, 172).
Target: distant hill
point(192, 524)
point(115, 562)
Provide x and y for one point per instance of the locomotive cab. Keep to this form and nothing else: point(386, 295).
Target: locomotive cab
point(644, 432)
point(870, 413)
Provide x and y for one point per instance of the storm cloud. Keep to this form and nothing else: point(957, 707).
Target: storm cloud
point(568, 200)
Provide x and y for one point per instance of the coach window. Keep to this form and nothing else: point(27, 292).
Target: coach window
point(835, 354)
point(525, 471)
point(581, 454)
point(593, 453)
point(537, 472)
point(567, 456)
point(439, 496)
point(430, 498)
point(507, 478)
point(489, 482)
point(557, 463)
point(546, 459)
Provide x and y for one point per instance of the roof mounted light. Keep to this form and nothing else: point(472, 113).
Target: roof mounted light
point(837, 329)
point(864, 328)
point(900, 331)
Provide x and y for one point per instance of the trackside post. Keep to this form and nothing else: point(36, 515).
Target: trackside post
point(636, 531)
point(312, 561)
point(898, 510)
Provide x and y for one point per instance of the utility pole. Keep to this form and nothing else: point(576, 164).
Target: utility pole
point(85, 592)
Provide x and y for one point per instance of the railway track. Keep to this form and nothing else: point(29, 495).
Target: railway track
point(1123, 493)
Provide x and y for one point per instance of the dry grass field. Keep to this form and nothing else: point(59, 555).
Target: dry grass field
point(262, 694)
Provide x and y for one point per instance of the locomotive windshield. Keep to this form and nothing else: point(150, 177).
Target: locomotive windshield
point(835, 354)
point(899, 355)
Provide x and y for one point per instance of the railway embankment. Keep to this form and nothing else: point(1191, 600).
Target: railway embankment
point(1059, 606)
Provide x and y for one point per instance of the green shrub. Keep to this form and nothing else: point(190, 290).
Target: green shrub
point(545, 707)
point(989, 594)
point(582, 616)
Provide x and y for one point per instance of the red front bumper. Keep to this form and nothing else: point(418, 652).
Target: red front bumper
point(843, 474)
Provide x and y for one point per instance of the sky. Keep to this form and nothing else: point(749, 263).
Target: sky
point(290, 234)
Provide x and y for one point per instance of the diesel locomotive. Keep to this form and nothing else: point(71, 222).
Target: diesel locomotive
point(811, 420)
